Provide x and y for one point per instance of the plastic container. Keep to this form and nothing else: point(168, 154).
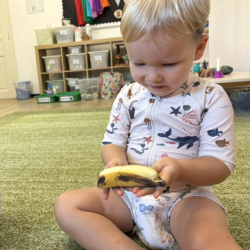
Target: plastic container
point(45, 36)
point(69, 96)
point(99, 59)
point(22, 90)
point(78, 34)
point(75, 50)
point(57, 85)
point(53, 63)
point(73, 84)
point(240, 100)
point(65, 34)
point(76, 61)
point(44, 98)
point(89, 88)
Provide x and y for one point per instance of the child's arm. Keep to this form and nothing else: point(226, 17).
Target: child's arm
point(113, 155)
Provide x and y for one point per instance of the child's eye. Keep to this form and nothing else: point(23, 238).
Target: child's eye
point(139, 64)
point(169, 64)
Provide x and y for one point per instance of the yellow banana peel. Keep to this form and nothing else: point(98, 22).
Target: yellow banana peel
point(129, 176)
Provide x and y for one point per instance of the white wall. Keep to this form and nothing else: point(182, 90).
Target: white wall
point(23, 26)
point(230, 34)
point(25, 38)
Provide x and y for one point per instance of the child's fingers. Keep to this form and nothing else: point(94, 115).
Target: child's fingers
point(144, 191)
point(106, 193)
point(136, 189)
point(118, 191)
point(158, 191)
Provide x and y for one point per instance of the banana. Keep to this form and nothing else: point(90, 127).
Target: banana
point(129, 176)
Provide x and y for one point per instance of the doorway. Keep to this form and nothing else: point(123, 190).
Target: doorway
point(8, 69)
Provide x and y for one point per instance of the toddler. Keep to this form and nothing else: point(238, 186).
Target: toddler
point(171, 120)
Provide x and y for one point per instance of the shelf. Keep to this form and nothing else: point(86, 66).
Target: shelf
point(72, 71)
point(88, 72)
point(122, 66)
point(56, 72)
point(106, 68)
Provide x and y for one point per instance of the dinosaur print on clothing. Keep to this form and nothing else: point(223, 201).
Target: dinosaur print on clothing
point(187, 140)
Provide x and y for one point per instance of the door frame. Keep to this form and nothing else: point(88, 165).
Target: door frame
point(14, 70)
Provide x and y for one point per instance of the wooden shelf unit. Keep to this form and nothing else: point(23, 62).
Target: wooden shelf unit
point(88, 72)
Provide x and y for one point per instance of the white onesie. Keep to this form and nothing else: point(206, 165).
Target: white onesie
point(196, 120)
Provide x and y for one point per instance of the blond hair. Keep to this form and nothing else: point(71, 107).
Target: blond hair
point(177, 18)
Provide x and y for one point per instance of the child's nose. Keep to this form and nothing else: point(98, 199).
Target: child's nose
point(153, 76)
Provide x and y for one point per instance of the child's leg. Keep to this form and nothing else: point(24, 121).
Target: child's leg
point(199, 223)
point(93, 222)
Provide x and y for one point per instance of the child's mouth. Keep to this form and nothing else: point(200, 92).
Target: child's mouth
point(157, 87)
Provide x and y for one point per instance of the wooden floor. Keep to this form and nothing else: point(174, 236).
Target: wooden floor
point(12, 105)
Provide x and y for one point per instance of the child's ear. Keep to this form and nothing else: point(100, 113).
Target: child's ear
point(201, 47)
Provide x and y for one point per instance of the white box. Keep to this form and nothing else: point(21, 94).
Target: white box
point(76, 61)
point(99, 59)
point(65, 34)
point(57, 85)
point(75, 50)
point(73, 84)
point(45, 36)
point(89, 88)
point(53, 63)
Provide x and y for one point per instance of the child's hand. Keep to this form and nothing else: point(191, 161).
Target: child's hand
point(169, 170)
point(113, 163)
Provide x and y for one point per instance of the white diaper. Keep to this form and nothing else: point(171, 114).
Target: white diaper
point(152, 216)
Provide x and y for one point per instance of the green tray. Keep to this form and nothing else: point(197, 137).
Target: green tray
point(69, 96)
point(45, 98)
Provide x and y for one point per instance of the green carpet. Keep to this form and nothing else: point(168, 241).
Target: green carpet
point(43, 154)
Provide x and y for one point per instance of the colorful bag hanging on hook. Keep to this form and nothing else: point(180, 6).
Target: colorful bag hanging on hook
point(111, 84)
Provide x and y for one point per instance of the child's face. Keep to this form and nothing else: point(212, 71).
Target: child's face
point(163, 68)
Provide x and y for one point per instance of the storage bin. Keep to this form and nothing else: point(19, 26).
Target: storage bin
point(240, 99)
point(57, 84)
point(65, 34)
point(45, 36)
point(73, 84)
point(75, 50)
point(89, 88)
point(44, 98)
point(76, 61)
point(53, 63)
point(99, 59)
point(22, 90)
point(69, 96)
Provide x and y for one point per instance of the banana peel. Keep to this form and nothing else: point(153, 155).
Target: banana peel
point(129, 176)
